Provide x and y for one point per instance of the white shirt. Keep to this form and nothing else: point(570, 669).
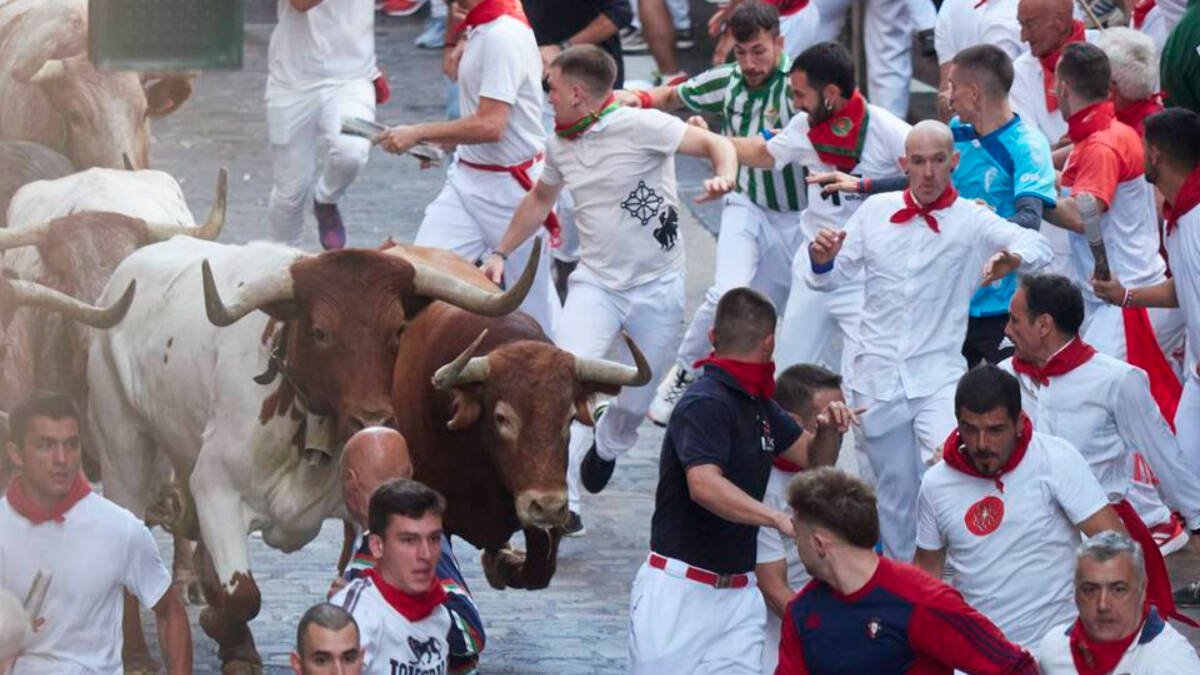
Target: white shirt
point(881, 151)
point(966, 23)
point(332, 42)
point(501, 62)
point(391, 643)
point(918, 288)
point(1028, 95)
point(99, 551)
point(621, 173)
point(771, 545)
point(1015, 564)
point(1183, 250)
point(1104, 408)
point(1158, 650)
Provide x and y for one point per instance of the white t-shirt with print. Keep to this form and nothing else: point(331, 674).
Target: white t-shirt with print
point(1011, 552)
point(332, 42)
point(99, 551)
point(621, 173)
point(391, 643)
point(881, 152)
point(501, 62)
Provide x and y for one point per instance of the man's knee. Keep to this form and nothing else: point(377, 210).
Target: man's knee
point(348, 153)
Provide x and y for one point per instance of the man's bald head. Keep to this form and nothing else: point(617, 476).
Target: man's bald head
point(929, 159)
point(372, 457)
point(1045, 24)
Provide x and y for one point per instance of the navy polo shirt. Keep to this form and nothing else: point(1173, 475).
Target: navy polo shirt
point(716, 422)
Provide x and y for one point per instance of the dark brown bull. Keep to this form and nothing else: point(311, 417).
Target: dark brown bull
point(487, 424)
point(22, 163)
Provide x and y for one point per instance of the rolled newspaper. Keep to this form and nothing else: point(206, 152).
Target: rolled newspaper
point(36, 597)
point(372, 131)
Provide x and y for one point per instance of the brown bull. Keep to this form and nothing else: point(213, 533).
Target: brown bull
point(53, 95)
point(489, 429)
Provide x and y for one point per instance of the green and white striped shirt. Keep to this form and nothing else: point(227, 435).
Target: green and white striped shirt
point(746, 112)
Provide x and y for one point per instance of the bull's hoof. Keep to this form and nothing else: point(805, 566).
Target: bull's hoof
point(241, 668)
point(175, 511)
point(503, 568)
point(141, 664)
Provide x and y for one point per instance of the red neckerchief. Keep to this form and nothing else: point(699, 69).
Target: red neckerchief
point(1095, 117)
point(956, 455)
point(490, 10)
point(788, 7)
point(1093, 657)
point(1135, 113)
point(1050, 62)
point(1075, 354)
point(758, 379)
point(1140, 10)
point(411, 607)
point(839, 139)
point(575, 129)
point(22, 503)
point(912, 209)
point(1187, 199)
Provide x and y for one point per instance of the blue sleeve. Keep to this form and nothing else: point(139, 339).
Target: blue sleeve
point(784, 429)
point(701, 432)
point(1033, 172)
point(466, 637)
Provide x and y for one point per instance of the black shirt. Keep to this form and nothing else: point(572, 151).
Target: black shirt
point(557, 20)
point(716, 422)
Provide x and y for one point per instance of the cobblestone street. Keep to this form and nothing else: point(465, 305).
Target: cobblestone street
point(579, 624)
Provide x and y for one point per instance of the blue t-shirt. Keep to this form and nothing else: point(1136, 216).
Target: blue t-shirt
point(1010, 162)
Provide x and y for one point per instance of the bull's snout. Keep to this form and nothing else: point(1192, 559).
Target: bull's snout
point(378, 417)
point(539, 508)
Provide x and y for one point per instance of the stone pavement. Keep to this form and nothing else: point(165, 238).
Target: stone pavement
point(579, 624)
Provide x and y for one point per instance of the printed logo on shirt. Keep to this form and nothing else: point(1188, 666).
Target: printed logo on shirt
point(874, 627)
point(984, 516)
point(841, 127)
point(667, 233)
point(813, 621)
point(426, 659)
point(642, 203)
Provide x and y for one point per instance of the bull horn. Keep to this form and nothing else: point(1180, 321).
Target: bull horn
point(211, 229)
point(599, 371)
point(440, 286)
point(126, 161)
point(464, 369)
point(274, 287)
point(28, 293)
point(52, 69)
point(15, 237)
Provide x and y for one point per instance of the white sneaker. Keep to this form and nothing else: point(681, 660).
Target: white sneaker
point(632, 42)
point(672, 387)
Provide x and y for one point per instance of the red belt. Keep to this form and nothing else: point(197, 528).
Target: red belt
point(703, 576)
point(520, 173)
point(1158, 582)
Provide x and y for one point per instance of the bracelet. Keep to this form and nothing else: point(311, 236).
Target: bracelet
point(1128, 301)
point(502, 255)
point(644, 98)
point(864, 185)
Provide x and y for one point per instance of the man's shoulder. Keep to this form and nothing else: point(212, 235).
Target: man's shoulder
point(704, 397)
point(941, 476)
point(885, 122)
point(95, 510)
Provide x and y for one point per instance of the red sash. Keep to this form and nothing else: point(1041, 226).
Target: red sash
point(839, 139)
point(1187, 199)
point(1158, 582)
point(1140, 10)
point(1142, 350)
point(520, 173)
point(490, 10)
point(1050, 62)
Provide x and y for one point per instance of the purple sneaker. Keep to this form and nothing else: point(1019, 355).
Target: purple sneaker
point(329, 226)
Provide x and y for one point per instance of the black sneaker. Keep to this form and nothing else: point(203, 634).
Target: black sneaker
point(574, 526)
point(925, 43)
point(595, 472)
point(684, 39)
point(329, 226)
point(1188, 596)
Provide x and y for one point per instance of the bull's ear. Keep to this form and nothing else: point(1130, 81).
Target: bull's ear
point(465, 408)
point(165, 95)
point(283, 310)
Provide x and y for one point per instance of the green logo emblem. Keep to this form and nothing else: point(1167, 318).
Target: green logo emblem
point(841, 126)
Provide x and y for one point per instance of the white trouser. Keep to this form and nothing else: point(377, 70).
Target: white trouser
point(800, 31)
point(469, 217)
point(1104, 329)
point(833, 18)
point(1187, 421)
point(899, 437)
point(887, 38)
point(295, 123)
point(924, 15)
point(813, 320)
point(592, 319)
point(771, 635)
point(1143, 494)
point(677, 625)
point(755, 249)
point(438, 9)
